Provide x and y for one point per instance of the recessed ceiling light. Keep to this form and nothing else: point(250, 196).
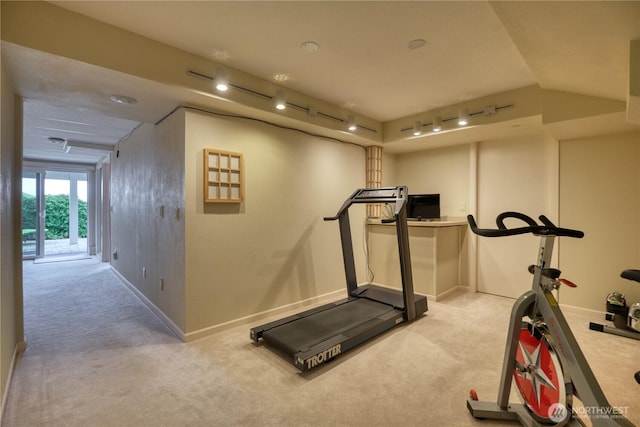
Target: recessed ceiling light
point(281, 77)
point(310, 46)
point(121, 99)
point(416, 44)
point(221, 55)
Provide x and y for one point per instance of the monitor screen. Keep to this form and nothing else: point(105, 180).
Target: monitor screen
point(423, 206)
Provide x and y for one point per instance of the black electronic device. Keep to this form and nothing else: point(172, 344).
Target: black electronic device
point(319, 335)
point(423, 207)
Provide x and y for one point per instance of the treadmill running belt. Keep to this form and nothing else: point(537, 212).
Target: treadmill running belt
point(306, 332)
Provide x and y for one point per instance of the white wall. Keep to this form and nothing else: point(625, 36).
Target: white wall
point(495, 176)
point(513, 175)
point(443, 170)
point(600, 195)
point(11, 322)
point(222, 262)
point(147, 230)
point(564, 181)
point(274, 248)
point(591, 184)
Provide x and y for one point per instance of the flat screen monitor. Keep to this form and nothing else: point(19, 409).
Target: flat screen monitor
point(423, 207)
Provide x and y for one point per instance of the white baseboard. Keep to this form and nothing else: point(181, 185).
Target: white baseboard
point(253, 318)
point(210, 330)
point(448, 293)
point(146, 301)
point(590, 311)
point(437, 297)
point(19, 348)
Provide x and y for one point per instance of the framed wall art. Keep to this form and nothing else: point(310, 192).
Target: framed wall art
point(223, 176)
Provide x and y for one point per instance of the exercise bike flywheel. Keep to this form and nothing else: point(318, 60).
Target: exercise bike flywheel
point(539, 377)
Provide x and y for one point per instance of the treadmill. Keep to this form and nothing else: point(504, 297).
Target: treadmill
point(319, 335)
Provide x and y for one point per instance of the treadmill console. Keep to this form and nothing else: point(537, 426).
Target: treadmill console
point(366, 193)
point(397, 195)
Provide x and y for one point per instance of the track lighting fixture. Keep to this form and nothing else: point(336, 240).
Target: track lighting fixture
point(417, 128)
point(280, 100)
point(222, 80)
point(463, 117)
point(351, 123)
point(437, 124)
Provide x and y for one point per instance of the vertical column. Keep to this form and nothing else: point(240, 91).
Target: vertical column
point(374, 176)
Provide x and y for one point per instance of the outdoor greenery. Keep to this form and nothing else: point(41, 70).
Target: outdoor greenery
point(57, 219)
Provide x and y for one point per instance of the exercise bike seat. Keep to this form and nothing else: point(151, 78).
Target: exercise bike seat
point(631, 275)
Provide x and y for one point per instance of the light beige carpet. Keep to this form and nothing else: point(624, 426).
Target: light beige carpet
point(97, 357)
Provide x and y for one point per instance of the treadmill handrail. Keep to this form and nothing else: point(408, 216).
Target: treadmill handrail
point(400, 198)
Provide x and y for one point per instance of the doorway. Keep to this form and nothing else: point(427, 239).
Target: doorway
point(55, 213)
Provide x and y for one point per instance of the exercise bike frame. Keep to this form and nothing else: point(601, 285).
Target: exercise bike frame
point(541, 306)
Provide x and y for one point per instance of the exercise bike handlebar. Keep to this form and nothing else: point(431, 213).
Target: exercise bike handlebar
point(547, 228)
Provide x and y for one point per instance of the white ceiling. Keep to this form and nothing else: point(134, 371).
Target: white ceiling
point(363, 60)
point(473, 49)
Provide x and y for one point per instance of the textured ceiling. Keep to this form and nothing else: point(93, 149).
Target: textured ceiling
point(363, 61)
point(473, 49)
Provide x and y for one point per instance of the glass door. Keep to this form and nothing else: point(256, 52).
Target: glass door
point(54, 213)
point(32, 215)
point(66, 213)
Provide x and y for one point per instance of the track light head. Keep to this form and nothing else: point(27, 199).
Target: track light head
point(351, 123)
point(463, 117)
point(280, 100)
point(417, 128)
point(437, 124)
point(222, 80)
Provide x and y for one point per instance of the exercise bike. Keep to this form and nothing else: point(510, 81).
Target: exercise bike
point(542, 355)
point(626, 320)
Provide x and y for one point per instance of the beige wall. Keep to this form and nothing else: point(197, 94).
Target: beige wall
point(220, 263)
point(445, 171)
point(592, 184)
point(600, 194)
point(274, 248)
point(147, 216)
point(513, 175)
point(486, 179)
point(442, 170)
point(389, 162)
point(11, 324)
